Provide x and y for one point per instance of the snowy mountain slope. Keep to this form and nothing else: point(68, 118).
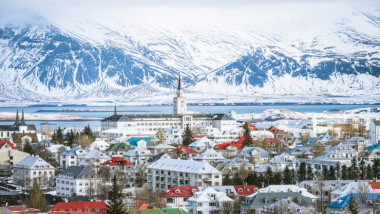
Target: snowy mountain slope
point(41, 61)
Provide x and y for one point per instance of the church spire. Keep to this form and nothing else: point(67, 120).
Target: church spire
point(17, 122)
point(179, 83)
point(22, 119)
point(114, 111)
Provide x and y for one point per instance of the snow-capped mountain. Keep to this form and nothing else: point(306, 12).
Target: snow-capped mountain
point(42, 62)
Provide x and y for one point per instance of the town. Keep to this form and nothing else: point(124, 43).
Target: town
point(190, 162)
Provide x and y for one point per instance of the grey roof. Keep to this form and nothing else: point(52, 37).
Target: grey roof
point(376, 122)
point(9, 128)
point(132, 117)
point(32, 162)
point(188, 166)
point(236, 161)
point(78, 172)
point(79, 198)
point(247, 151)
point(259, 199)
point(156, 157)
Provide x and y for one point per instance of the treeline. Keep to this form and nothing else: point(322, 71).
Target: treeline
point(84, 138)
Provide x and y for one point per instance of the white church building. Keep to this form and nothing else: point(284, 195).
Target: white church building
point(178, 119)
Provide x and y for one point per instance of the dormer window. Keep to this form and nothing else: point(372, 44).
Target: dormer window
point(177, 191)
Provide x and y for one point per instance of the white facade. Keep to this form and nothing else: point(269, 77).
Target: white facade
point(374, 131)
point(138, 155)
point(179, 101)
point(71, 157)
point(30, 168)
point(166, 173)
point(207, 201)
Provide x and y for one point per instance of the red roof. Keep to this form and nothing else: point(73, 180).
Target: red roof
point(249, 189)
point(375, 185)
point(81, 206)
point(183, 149)
point(117, 161)
point(69, 212)
point(181, 191)
point(200, 136)
point(271, 141)
point(252, 127)
point(22, 209)
point(2, 143)
point(224, 146)
point(276, 131)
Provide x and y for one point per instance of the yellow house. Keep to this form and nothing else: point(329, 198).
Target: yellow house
point(11, 157)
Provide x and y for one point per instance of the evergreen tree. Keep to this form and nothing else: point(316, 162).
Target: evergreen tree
point(338, 174)
point(58, 136)
point(277, 178)
point(325, 172)
point(87, 131)
point(236, 180)
point(302, 172)
point(353, 170)
point(376, 168)
point(36, 199)
point(261, 181)
point(309, 173)
point(362, 169)
point(252, 179)
point(28, 148)
point(227, 180)
point(115, 198)
point(70, 138)
point(353, 206)
point(344, 172)
point(369, 174)
point(294, 176)
point(247, 135)
point(332, 175)
point(287, 176)
point(187, 136)
point(269, 176)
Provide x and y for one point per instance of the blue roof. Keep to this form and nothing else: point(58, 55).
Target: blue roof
point(309, 142)
point(71, 151)
point(343, 201)
point(43, 143)
point(133, 141)
point(374, 146)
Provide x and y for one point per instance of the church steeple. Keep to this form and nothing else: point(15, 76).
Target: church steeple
point(114, 111)
point(17, 122)
point(179, 83)
point(22, 119)
point(179, 101)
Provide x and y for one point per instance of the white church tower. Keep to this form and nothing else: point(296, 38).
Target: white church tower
point(179, 102)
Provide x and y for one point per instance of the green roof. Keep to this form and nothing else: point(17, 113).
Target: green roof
point(119, 147)
point(376, 122)
point(160, 211)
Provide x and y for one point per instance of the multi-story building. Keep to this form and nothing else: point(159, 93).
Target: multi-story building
point(374, 131)
point(93, 158)
point(71, 157)
point(180, 118)
point(78, 180)
point(211, 156)
point(256, 155)
point(166, 173)
point(18, 127)
point(30, 168)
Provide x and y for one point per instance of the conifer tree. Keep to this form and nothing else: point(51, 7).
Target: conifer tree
point(376, 168)
point(88, 131)
point(261, 181)
point(36, 199)
point(28, 148)
point(344, 172)
point(353, 206)
point(59, 136)
point(332, 175)
point(252, 179)
point(362, 169)
point(227, 180)
point(338, 174)
point(309, 173)
point(269, 176)
point(247, 135)
point(277, 178)
point(187, 136)
point(302, 172)
point(236, 180)
point(287, 176)
point(353, 170)
point(70, 138)
point(115, 198)
point(325, 172)
point(369, 174)
point(294, 176)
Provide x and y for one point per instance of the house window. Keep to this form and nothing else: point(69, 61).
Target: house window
point(78, 209)
point(212, 204)
point(200, 204)
point(88, 209)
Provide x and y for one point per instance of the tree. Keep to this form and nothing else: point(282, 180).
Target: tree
point(252, 179)
point(84, 141)
point(36, 199)
point(363, 189)
point(353, 206)
point(369, 174)
point(226, 207)
point(28, 148)
point(187, 136)
point(309, 173)
point(70, 138)
point(362, 169)
point(88, 132)
point(261, 181)
point(325, 172)
point(115, 199)
point(376, 168)
point(247, 136)
point(227, 180)
point(332, 175)
point(58, 136)
point(236, 180)
point(338, 174)
point(160, 135)
point(287, 176)
point(269, 176)
point(45, 154)
point(302, 172)
point(344, 172)
point(353, 170)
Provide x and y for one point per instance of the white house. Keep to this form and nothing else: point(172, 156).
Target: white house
point(202, 144)
point(30, 168)
point(208, 201)
point(166, 173)
point(374, 131)
point(93, 158)
point(71, 157)
point(76, 180)
point(211, 156)
point(138, 155)
point(100, 145)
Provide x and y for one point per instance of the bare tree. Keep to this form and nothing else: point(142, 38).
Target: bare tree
point(280, 207)
point(363, 189)
point(83, 141)
point(321, 183)
point(226, 207)
point(152, 199)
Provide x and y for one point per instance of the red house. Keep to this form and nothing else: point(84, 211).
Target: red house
point(98, 207)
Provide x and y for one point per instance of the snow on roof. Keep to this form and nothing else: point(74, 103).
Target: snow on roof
point(264, 168)
point(99, 144)
point(162, 146)
point(32, 162)
point(95, 154)
point(236, 161)
point(298, 132)
point(203, 142)
point(357, 187)
point(282, 158)
point(205, 196)
point(247, 151)
point(56, 148)
point(137, 151)
point(295, 208)
point(176, 140)
point(73, 151)
point(209, 154)
point(188, 166)
point(285, 188)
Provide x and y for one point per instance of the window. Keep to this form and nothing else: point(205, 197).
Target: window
point(88, 209)
point(96, 210)
point(199, 204)
point(78, 209)
point(212, 204)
